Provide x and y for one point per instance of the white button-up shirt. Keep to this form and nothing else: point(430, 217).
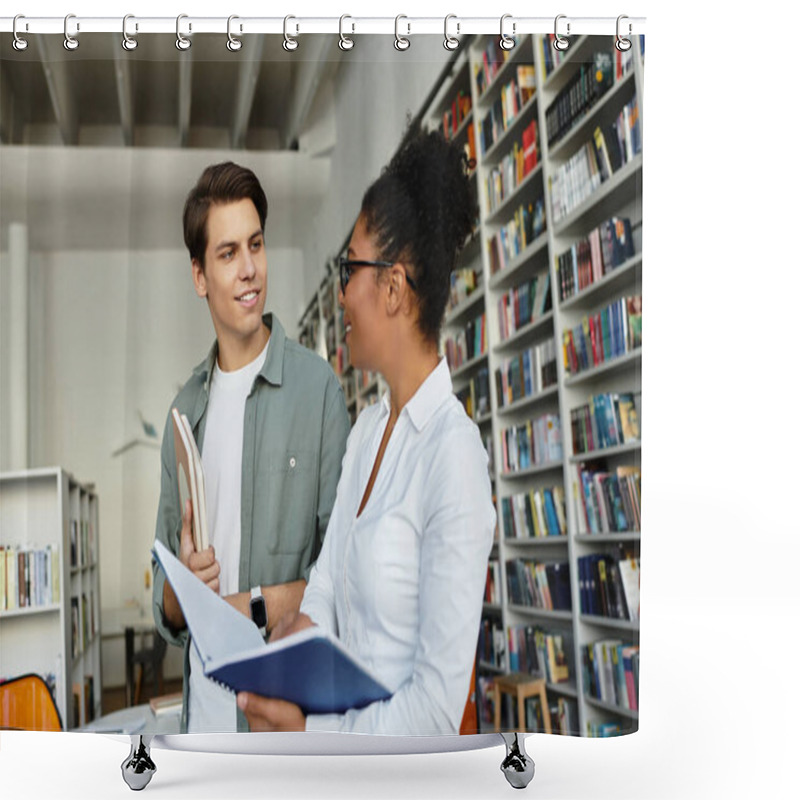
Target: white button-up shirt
point(402, 585)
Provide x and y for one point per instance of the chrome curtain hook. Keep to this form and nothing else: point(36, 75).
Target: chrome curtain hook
point(19, 43)
point(289, 43)
point(506, 42)
point(70, 42)
point(400, 42)
point(345, 42)
point(451, 42)
point(623, 44)
point(182, 43)
point(233, 43)
point(560, 43)
point(128, 42)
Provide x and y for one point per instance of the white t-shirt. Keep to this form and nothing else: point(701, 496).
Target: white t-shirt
point(212, 709)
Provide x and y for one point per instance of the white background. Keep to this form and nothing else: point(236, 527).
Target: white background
point(719, 594)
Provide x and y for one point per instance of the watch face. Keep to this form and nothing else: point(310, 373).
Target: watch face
point(258, 611)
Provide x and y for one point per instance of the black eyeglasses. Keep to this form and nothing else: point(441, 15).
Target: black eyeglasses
point(347, 266)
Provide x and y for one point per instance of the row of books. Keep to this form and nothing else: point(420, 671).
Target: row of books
point(612, 332)
point(609, 149)
point(488, 445)
point(475, 395)
point(535, 442)
point(468, 343)
point(527, 374)
point(539, 585)
point(87, 704)
point(534, 514)
point(609, 586)
point(590, 258)
point(603, 730)
point(463, 282)
point(608, 501)
point(454, 116)
point(536, 651)
point(611, 673)
point(516, 165)
point(590, 81)
point(529, 222)
point(340, 360)
point(523, 304)
point(491, 593)
point(492, 643)
point(489, 64)
point(513, 97)
point(607, 420)
point(551, 58)
point(363, 378)
point(82, 545)
point(84, 625)
point(29, 577)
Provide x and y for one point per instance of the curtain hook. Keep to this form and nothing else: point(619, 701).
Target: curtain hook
point(451, 42)
point(70, 42)
point(623, 44)
point(345, 42)
point(128, 42)
point(289, 43)
point(19, 43)
point(233, 43)
point(506, 42)
point(182, 43)
point(560, 43)
point(400, 42)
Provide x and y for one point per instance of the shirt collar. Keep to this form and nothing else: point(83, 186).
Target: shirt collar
point(272, 369)
point(435, 389)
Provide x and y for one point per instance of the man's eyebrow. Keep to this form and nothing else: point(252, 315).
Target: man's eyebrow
point(225, 245)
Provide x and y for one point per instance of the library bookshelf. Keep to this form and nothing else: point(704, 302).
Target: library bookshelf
point(543, 337)
point(50, 603)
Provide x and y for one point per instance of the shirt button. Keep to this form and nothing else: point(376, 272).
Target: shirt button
point(292, 462)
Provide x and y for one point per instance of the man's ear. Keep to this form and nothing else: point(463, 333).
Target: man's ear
point(199, 278)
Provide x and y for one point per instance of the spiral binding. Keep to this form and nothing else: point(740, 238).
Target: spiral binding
point(185, 28)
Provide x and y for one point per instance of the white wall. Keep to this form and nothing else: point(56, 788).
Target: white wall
point(375, 89)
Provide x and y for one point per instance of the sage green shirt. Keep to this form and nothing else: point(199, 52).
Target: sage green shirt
point(295, 429)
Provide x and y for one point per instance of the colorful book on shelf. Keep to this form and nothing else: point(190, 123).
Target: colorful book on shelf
point(309, 668)
point(191, 482)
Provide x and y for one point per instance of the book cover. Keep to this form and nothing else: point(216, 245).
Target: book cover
point(191, 484)
point(309, 668)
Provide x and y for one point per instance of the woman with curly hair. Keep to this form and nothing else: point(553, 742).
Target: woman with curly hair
point(401, 574)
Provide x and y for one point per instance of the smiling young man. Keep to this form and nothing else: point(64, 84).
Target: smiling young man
point(270, 421)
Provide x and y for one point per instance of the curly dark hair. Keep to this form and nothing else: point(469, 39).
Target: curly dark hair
point(420, 211)
point(220, 183)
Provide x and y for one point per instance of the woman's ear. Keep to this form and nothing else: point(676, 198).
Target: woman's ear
point(398, 289)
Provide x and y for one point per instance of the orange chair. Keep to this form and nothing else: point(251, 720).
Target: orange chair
point(26, 704)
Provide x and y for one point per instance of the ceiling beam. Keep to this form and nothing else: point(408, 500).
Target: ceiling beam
point(184, 96)
point(311, 70)
point(60, 88)
point(245, 92)
point(123, 75)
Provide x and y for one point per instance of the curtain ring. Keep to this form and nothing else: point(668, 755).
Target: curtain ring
point(70, 42)
point(182, 43)
point(622, 44)
point(451, 42)
point(345, 42)
point(400, 42)
point(233, 44)
point(289, 44)
point(506, 42)
point(128, 42)
point(560, 43)
point(19, 43)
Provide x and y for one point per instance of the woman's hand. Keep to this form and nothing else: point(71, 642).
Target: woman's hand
point(269, 714)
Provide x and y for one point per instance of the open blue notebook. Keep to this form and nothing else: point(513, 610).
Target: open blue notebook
point(309, 668)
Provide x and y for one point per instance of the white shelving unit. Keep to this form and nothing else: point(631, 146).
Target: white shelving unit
point(617, 196)
point(47, 510)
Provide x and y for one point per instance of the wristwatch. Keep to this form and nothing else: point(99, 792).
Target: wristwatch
point(258, 610)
